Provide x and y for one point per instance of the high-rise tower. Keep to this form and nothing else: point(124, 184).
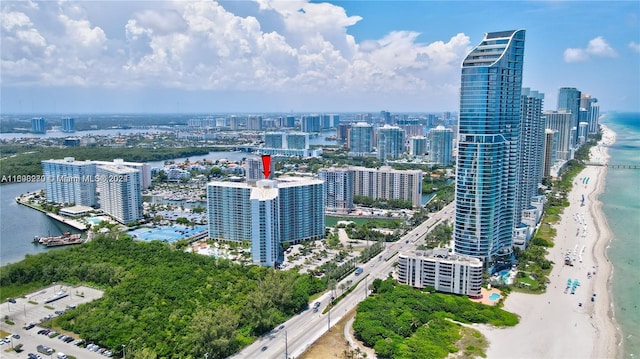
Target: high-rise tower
point(390, 142)
point(569, 101)
point(531, 148)
point(489, 130)
point(441, 145)
point(361, 139)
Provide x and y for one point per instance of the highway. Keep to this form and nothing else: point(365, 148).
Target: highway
point(298, 333)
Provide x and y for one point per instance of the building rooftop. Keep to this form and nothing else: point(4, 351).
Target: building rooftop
point(442, 253)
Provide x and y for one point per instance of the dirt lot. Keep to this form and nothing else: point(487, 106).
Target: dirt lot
point(332, 344)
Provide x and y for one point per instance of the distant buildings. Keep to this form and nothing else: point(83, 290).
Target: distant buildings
point(38, 125)
point(444, 271)
point(68, 124)
point(441, 146)
point(288, 144)
point(310, 123)
point(254, 170)
point(487, 160)
point(254, 122)
point(272, 212)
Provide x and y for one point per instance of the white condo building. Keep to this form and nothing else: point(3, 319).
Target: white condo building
point(68, 181)
point(144, 168)
point(339, 187)
point(120, 192)
point(388, 183)
point(446, 272)
point(560, 121)
point(290, 209)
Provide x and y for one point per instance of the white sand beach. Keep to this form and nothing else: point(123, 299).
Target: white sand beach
point(555, 324)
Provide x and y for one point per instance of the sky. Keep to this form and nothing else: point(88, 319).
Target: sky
point(299, 56)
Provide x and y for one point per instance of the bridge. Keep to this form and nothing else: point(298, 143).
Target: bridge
point(633, 166)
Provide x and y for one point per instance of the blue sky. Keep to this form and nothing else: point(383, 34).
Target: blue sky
point(280, 56)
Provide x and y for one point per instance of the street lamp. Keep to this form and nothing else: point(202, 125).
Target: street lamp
point(123, 348)
point(286, 346)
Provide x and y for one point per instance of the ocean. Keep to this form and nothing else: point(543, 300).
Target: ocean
point(621, 206)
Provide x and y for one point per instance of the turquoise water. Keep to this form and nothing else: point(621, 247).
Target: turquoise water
point(621, 205)
point(94, 220)
point(494, 296)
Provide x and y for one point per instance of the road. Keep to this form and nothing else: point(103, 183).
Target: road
point(299, 332)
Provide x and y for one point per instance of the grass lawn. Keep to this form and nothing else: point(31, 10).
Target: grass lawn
point(532, 284)
point(330, 221)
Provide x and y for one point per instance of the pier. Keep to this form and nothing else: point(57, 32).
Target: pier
point(70, 222)
point(632, 166)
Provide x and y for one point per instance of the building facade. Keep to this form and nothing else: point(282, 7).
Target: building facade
point(560, 121)
point(339, 189)
point(569, 101)
point(68, 124)
point(387, 183)
point(310, 123)
point(446, 272)
point(390, 142)
point(441, 146)
point(532, 129)
point(418, 146)
point(488, 148)
point(68, 181)
point(120, 192)
point(38, 125)
point(361, 139)
point(267, 214)
point(549, 154)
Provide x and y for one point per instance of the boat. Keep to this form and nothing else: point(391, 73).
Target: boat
point(66, 238)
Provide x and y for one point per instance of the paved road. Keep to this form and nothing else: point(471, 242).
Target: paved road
point(304, 329)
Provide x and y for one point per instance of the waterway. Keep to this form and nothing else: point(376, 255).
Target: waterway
point(19, 224)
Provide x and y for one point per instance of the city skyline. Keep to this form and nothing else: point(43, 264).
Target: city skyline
point(164, 57)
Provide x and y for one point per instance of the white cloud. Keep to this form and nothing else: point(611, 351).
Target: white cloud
point(597, 46)
point(575, 55)
point(634, 46)
point(283, 46)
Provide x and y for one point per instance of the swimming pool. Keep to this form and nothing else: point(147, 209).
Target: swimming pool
point(494, 296)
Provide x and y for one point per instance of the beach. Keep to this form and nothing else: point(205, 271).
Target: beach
point(557, 323)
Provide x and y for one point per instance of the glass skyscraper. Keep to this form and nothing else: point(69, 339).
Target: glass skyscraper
point(488, 148)
point(390, 142)
point(569, 101)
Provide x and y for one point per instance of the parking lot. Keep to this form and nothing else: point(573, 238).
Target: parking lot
point(32, 309)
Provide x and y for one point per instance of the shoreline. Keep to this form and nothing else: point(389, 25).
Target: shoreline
point(556, 323)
